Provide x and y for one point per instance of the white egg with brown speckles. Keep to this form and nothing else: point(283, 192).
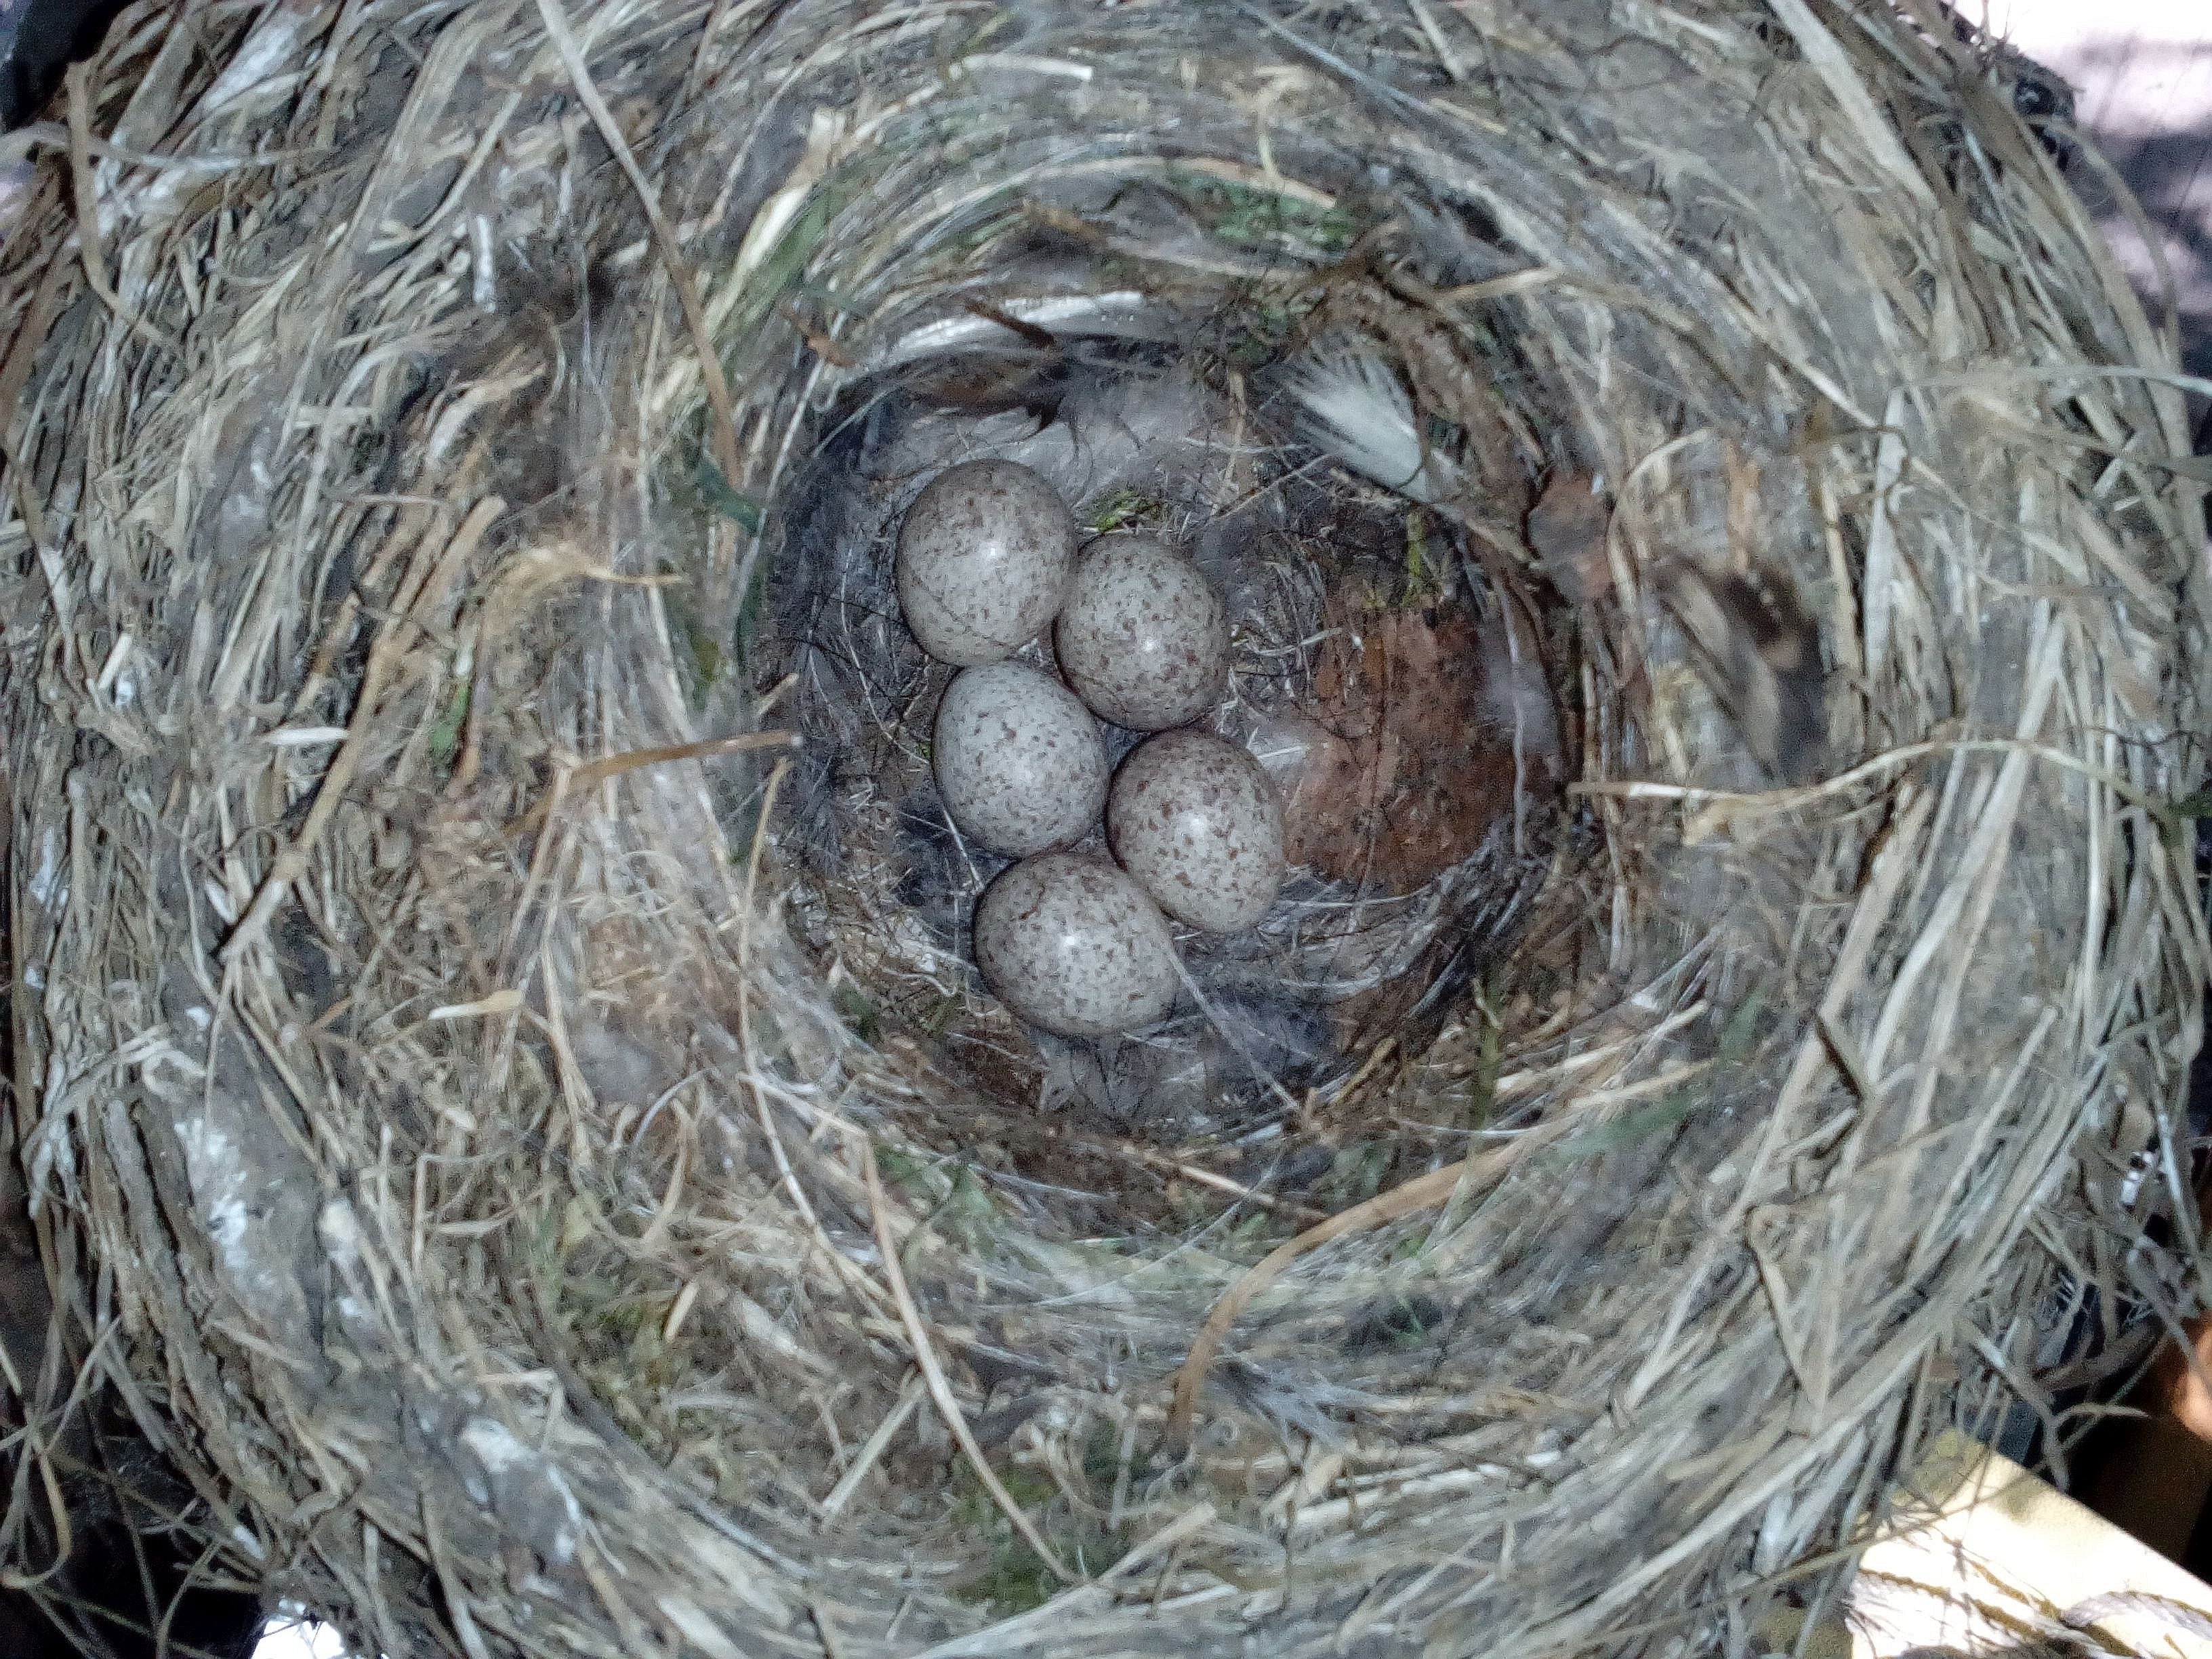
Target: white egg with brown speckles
point(984, 557)
point(1073, 945)
point(1142, 638)
point(1197, 822)
point(1018, 760)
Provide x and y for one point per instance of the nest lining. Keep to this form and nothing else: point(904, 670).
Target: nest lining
point(1422, 793)
point(441, 1127)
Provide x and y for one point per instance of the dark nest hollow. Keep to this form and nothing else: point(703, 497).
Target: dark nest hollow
point(498, 1065)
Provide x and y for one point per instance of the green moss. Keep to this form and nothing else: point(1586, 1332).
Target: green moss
point(616, 1316)
point(1012, 1578)
point(1406, 1321)
point(698, 653)
point(857, 1009)
point(619, 1337)
point(720, 496)
point(1741, 1035)
point(1357, 1174)
point(2198, 806)
point(780, 272)
point(1265, 321)
point(940, 1016)
point(1101, 1458)
point(1019, 1581)
point(1255, 1226)
point(902, 1168)
point(1253, 217)
point(1030, 1488)
point(1123, 507)
point(445, 735)
point(1424, 584)
point(1631, 1128)
point(966, 1215)
point(746, 628)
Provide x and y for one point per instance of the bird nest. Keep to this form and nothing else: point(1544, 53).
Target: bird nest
point(498, 1058)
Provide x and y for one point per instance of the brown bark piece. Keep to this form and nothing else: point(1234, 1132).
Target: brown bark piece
point(1407, 774)
point(1567, 527)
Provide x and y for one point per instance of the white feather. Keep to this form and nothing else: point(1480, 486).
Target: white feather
point(1131, 315)
point(1356, 409)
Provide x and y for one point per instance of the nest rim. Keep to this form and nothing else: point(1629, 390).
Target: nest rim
point(876, 1245)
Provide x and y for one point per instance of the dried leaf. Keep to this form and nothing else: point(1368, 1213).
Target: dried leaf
point(1409, 774)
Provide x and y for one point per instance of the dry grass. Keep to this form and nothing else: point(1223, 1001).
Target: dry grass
point(446, 1149)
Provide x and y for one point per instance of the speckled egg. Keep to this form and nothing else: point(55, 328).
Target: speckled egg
point(1018, 759)
point(1142, 638)
point(1197, 822)
point(1073, 945)
point(984, 556)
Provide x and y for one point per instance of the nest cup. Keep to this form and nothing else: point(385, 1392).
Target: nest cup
point(524, 1136)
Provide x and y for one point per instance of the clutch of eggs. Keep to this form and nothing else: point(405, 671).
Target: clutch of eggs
point(1070, 942)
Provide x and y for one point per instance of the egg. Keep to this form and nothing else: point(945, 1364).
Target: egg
point(1142, 638)
point(1198, 823)
point(1073, 945)
point(1018, 759)
point(984, 556)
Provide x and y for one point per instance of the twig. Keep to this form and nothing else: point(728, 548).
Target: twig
point(89, 242)
point(1423, 1192)
point(1221, 1183)
point(940, 1390)
point(873, 1448)
point(591, 773)
point(726, 453)
point(30, 339)
point(292, 863)
point(1736, 803)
